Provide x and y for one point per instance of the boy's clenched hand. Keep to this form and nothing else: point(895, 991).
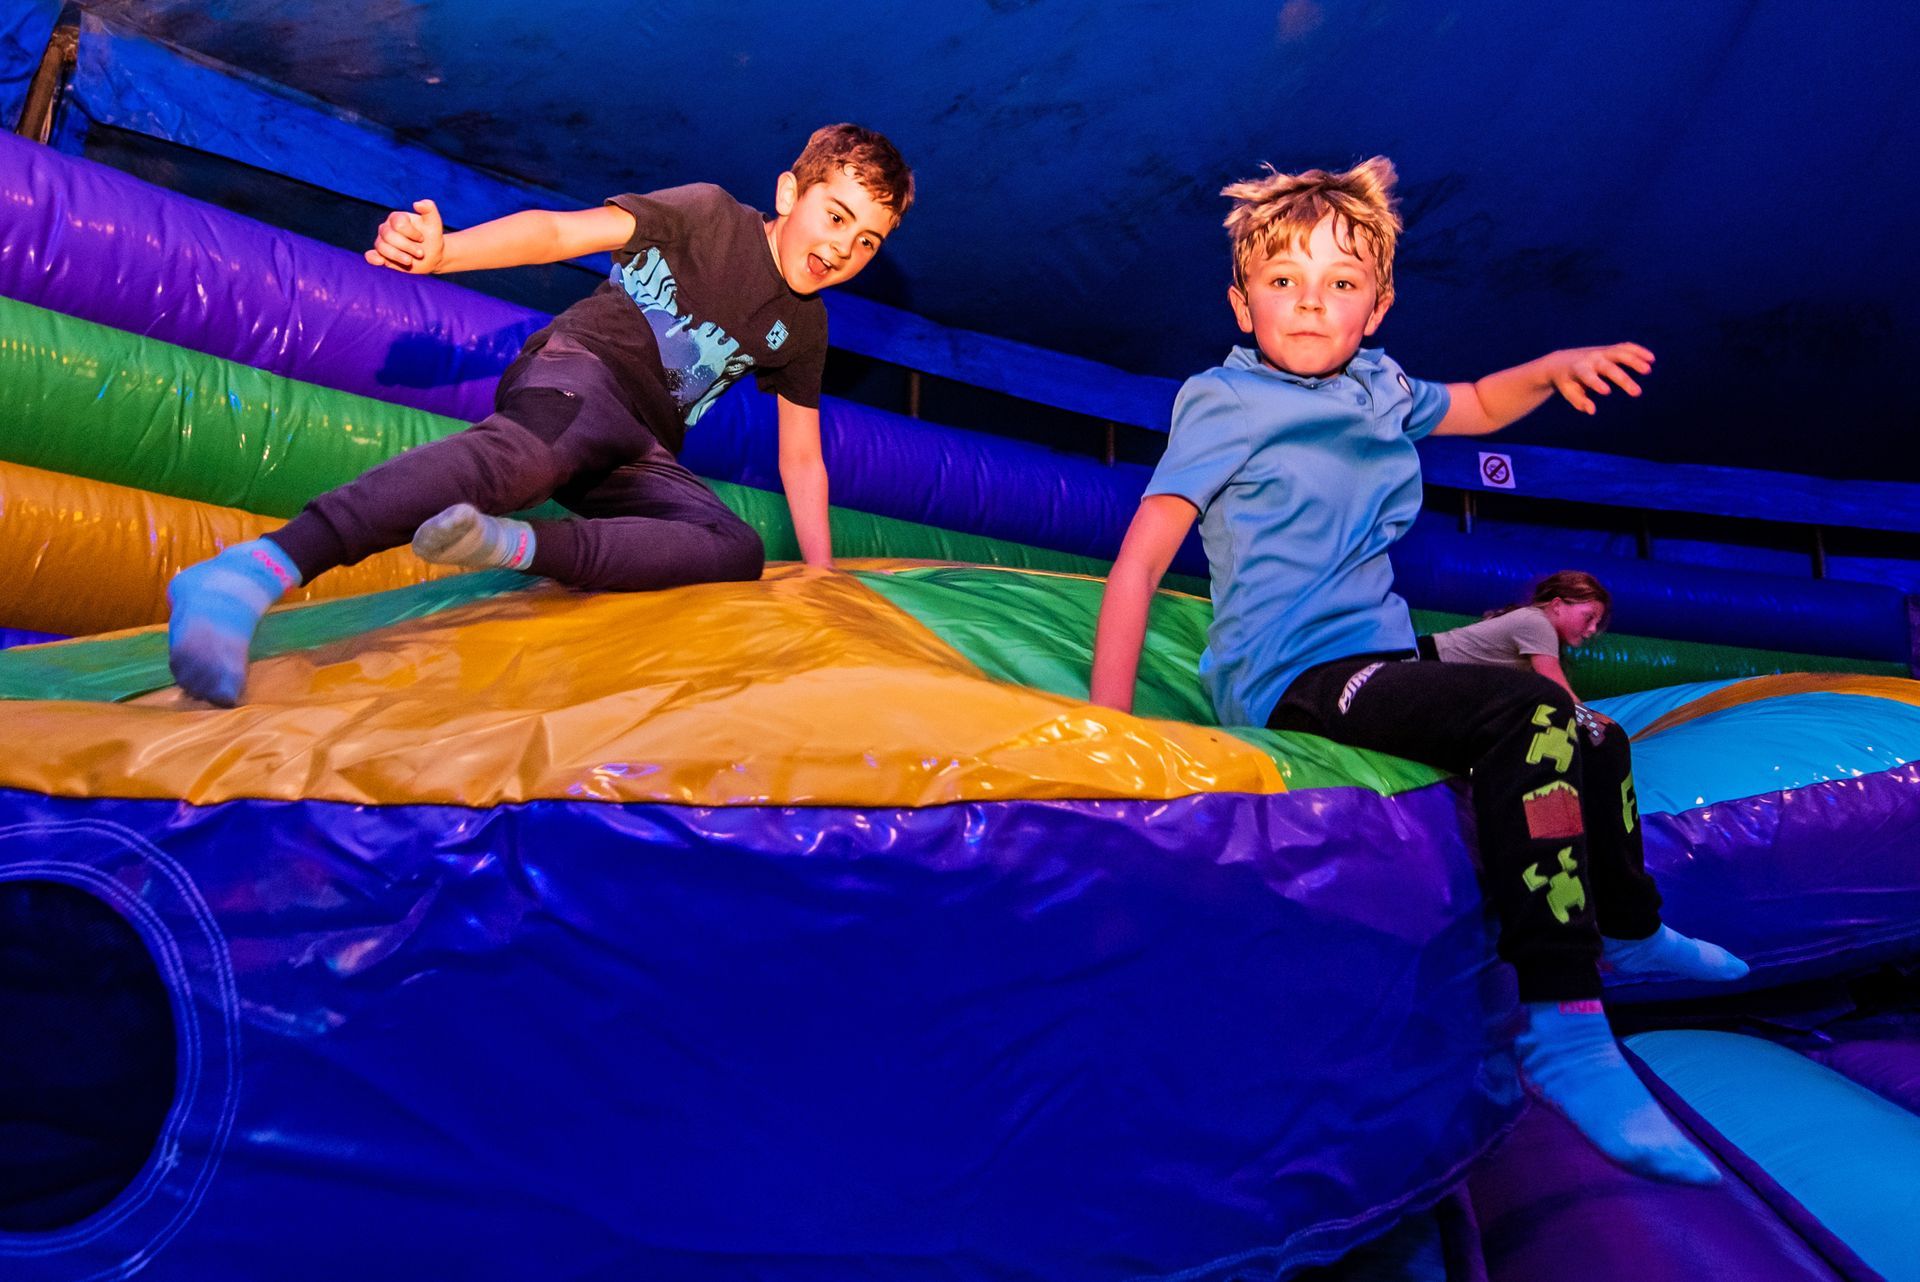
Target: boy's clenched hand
point(414, 243)
point(1577, 370)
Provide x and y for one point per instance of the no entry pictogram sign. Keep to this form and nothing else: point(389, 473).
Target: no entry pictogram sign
point(1496, 471)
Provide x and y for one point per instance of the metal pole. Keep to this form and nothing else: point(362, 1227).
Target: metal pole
point(43, 91)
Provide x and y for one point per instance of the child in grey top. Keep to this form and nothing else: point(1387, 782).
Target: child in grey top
point(1566, 609)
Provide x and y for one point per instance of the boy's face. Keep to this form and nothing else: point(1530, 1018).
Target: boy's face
point(1309, 306)
point(827, 233)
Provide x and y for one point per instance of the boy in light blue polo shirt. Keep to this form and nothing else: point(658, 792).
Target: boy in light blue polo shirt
point(1340, 460)
point(1297, 457)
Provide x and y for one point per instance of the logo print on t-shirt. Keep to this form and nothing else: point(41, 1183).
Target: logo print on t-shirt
point(776, 336)
point(699, 359)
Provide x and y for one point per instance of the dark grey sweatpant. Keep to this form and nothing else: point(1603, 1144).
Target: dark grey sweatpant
point(561, 429)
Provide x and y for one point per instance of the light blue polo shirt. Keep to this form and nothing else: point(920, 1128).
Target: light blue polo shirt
point(1302, 485)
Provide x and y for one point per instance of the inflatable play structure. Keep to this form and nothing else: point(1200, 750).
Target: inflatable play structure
point(818, 928)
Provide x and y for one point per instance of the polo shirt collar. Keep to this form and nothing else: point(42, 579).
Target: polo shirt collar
point(1365, 361)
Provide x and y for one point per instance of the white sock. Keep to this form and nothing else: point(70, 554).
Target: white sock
point(464, 535)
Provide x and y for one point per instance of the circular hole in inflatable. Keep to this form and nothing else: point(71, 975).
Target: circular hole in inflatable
point(87, 1055)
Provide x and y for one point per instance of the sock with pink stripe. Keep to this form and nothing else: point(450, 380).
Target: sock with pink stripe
point(464, 535)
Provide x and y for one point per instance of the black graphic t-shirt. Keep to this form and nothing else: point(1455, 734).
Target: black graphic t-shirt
point(695, 301)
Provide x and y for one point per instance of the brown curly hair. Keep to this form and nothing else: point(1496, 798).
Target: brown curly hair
point(874, 161)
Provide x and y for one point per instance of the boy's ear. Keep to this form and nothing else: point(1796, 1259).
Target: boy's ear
point(1237, 299)
point(1379, 314)
point(786, 193)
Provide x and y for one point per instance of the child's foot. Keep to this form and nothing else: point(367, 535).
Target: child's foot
point(1667, 954)
point(216, 605)
point(464, 535)
point(1570, 1060)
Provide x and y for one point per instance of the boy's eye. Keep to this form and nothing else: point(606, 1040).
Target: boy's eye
point(835, 217)
point(868, 245)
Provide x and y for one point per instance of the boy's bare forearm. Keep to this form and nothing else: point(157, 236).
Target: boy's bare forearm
point(1509, 395)
point(1153, 536)
point(518, 240)
point(806, 487)
point(418, 243)
point(1119, 636)
point(803, 474)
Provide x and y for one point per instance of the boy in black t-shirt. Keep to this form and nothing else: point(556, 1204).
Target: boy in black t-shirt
point(593, 410)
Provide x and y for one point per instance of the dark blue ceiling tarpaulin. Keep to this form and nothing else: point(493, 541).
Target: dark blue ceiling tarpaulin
point(1727, 182)
point(24, 29)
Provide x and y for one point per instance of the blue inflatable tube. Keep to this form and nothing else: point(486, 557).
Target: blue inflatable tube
point(1442, 570)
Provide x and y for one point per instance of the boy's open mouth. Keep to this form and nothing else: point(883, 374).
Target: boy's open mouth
point(817, 267)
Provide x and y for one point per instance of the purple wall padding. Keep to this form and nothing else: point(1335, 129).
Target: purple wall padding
point(92, 242)
point(1802, 883)
point(1549, 1206)
point(957, 480)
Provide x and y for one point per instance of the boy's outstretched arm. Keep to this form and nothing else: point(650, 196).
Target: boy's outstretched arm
point(1511, 394)
point(418, 243)
point(1158, 528)
point(803, 474)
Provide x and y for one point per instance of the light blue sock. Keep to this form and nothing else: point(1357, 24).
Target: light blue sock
point(1668, 954)
point(1570, 1061)
point(464, 535)
point(215, 606)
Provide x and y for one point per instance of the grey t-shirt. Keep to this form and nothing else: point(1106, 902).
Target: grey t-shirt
point(1506, 640)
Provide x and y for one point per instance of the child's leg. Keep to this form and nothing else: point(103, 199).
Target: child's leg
point(648, 526)
point(512, 459)
point(556, 415)
point(1627, 903)
point(1513, 734)
point(651, 524)
point(213, 609)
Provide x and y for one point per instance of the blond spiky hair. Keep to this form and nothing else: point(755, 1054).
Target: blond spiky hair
point(1275, 213)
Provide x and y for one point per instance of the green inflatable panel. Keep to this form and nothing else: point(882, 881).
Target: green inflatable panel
point(87, 400)
point(125, 667)
point(1037, 630)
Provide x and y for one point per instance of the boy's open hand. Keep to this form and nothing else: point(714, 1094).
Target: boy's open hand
point(1579, 370)
point(413, 242)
